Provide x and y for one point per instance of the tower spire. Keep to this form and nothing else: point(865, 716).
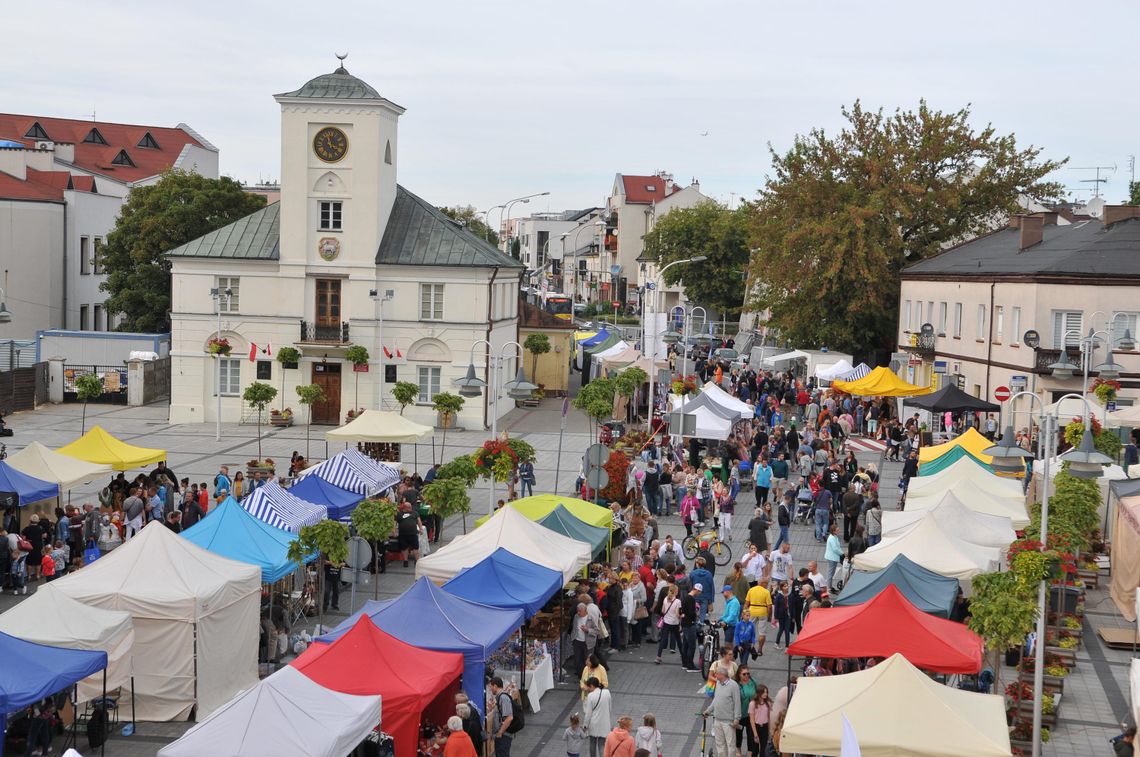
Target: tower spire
point(340, 69)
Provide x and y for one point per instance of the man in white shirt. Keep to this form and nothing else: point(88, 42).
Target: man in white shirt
point(669, 546)
point(815, 576)
point(781, 563)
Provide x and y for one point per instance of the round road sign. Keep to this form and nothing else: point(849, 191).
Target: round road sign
point(597, 455)
point(597, 478)
point(1002, 393)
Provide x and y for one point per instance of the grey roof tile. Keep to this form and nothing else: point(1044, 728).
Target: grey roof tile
point(339, 85)
point(254, 237)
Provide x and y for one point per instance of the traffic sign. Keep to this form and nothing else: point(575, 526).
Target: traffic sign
point(1002, 393)
point(359, 553)
point(597, 478)
point(597, 455)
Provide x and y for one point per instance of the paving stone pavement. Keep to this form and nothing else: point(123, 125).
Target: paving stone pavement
point(1096, 694)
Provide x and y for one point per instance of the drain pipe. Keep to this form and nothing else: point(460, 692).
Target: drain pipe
point(487, 360)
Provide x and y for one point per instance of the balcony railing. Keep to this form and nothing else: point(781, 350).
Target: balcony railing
point(312, 333)
point(921, 344)
point(1043, 358)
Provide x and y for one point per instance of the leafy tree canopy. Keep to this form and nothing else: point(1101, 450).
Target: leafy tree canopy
point(155, 219)
point(712, 230)
point(468, 216)
point(841, 215)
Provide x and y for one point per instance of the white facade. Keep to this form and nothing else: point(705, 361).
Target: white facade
point(436, 314)
point(90, 217)
point(669, 295)
point(31, 248)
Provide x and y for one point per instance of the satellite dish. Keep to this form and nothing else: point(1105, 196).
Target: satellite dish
point(1031, 338)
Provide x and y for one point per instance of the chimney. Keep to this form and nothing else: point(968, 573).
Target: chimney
point(696, 184)
point(1050, 217)
point(1116, 213)
point(1032, 231)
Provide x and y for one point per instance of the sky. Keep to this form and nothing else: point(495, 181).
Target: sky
point(508, 98)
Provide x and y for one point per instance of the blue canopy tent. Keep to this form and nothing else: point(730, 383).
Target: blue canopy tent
point(428, 617)
point(503, 579)
point(562, 521)
point(597, 338)
point(32, 672)
point(356, 472)
point(925, 589)
point(232, 532)
point(339, 502)
point(26, 488)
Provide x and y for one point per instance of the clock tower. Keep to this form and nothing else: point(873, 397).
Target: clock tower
point(338, 174)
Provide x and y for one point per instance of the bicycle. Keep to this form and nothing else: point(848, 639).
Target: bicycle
point(721, 551)
point(704, 733)
point(709, 646)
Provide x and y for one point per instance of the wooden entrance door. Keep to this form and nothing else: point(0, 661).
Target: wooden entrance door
point(328, 310)
point(327, 376)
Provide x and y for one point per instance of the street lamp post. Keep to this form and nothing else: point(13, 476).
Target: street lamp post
point(380, 300)
point(649, 335)
point(1084, 462)
point(507, 210)
point(217, 294)
point(471, 386)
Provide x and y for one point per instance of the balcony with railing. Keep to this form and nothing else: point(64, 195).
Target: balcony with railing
point(314, 333)
point(922, 344)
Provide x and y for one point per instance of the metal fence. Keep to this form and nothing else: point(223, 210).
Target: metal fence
point(114, 378)
point(17, 353)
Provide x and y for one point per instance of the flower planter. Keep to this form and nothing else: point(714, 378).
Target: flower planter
point(1048, 719)
point(1067, 657)
point(281, 421)
point(1090, 577)
point(1051, 684)
point(1065, 597)
point(1021, 747)
point(289, 365)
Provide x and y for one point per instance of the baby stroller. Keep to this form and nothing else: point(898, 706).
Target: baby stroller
point(803, 506)
point(746, 480)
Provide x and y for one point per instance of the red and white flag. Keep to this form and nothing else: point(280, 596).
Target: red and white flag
point(387, 353)
point(252, 352)
point(269, 350)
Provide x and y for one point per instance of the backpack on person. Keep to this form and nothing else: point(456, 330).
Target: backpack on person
point(518, 720)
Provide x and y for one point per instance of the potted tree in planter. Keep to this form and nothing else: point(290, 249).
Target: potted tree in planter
point(448, 496)
point(1001, 612)
point(405, 393)
point(329, 541)
point(87, 387)
point(374, 520)
point(358, 356)
point(287, 357)
point(447, 407)
point(281, 418)
point(309, 394)
point(257, 395)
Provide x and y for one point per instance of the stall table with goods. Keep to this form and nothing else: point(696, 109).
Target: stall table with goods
point(539, 668)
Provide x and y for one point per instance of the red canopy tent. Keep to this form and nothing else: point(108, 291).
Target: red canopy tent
point(409, 680)
point(887, 624)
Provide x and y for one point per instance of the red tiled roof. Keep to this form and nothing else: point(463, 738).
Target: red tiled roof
point(12, 188)
point(83, 183)
point(637, 188)
point(57, 179)
point(97, 157)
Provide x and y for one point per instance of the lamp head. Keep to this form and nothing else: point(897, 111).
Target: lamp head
point(1063, 369)
point(1085, 461)
point(1006, 456)
point(699, 259)
point(5, 313)
point(670, 337)
point(1109, 369)
point(520, 388)
point(470, 385)
point(1126, 343)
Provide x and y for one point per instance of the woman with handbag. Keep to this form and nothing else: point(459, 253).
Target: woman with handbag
point(670, 621)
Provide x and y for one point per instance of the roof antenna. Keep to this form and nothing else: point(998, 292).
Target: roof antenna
point(341, 69)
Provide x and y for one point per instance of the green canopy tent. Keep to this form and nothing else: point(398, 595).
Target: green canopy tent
point(562, 521)
point(940, 464)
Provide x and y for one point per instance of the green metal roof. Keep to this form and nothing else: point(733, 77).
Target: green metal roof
point(339, 85)
point(418, 233)
point(255, 237)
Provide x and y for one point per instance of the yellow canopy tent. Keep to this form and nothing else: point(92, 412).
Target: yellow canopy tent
point(971, 441)
point(97, 446)
point(881, 382)
point(539, 506)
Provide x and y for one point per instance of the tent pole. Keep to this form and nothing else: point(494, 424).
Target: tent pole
point(270, 642)
point(103, 747)
point(522, 660)
point(132, 699)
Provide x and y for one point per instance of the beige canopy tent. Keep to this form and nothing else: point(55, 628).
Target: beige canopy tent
point(966, 472)
point(380, 426)
point(935, 549)
point(952, 515)
point(1126, 557)
point(895, 709)
point(1128, 417)
point(52, 618)
point(38, 461)
point(975, 499)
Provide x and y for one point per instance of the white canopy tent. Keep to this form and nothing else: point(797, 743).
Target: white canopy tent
point(195, 619)
point(833, 371)
point(895, 709)
point(974, 498)
point(285, 714)
point(710, 425)
point(1074, 407)
point(726, 400)
point(953, 516)
point(513, 531)
point(38, 461)
point(380, 426)
point(1128, 417)
point(52, 618)
point(934, 549)
point(784, 357)
point(964, 472)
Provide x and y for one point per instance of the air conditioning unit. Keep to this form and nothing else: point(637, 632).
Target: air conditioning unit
point(44, 145)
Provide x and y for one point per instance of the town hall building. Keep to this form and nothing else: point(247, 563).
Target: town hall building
point(346, 257)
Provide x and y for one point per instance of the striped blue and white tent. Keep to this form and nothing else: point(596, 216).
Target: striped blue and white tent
point(856, 373)
point(355, 472)
point(279, 508)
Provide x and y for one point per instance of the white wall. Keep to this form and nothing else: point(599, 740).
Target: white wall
point(31, 266)
point(91, 216)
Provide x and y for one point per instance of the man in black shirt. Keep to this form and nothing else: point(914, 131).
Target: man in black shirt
point(689, 629)
point(408, 531)
point(652, 485)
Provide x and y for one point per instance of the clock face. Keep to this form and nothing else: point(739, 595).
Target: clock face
point(330, 144)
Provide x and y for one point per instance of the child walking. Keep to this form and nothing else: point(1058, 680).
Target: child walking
point(574, 737)
point(647, 736)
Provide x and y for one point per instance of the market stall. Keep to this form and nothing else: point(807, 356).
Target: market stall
point(52, 618)
point(285, 714)
point(975, 499)
point(23, 487)
point(894, 709)
point(356, 472)
point(969, 440)
point(411, 681)
point(715, 394)
point(952, 458)
point(518, 534)
point(966, 472)
point(38, 461)
point(931, 547)
point(195, 618)
point(834, 371)
point(276, 506)
point(538, 506)
point(928, 642)
point(31, 672)
point(880, 382)
point(379, 434)
point(431, 618)
point(338, 503)
point(97, 446)
point(562, 521)
point(952, 515)
point(709, 420)
point(232, 532)
point(923, 588)
point(1126, 557)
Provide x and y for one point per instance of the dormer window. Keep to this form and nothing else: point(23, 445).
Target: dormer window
point(94, 138)
point(123, 159)
point(650, 188)
point(36, 132)
point(148, 142)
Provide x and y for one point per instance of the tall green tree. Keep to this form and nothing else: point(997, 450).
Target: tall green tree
point(709, 229)
point(87, 387)
point(258, 396)
point(178, 208)
point(469, 217)
point(841, 215)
